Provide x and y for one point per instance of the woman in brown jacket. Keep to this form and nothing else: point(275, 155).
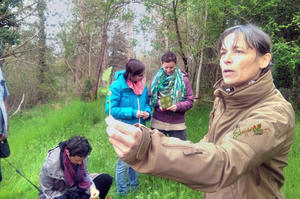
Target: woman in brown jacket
point(250, 133)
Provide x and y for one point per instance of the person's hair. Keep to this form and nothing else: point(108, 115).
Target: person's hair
point(169, 57)
point(254, 38)
point(133, 67)
point(78, 146)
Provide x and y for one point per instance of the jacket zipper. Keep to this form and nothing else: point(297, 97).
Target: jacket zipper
point(138, 102)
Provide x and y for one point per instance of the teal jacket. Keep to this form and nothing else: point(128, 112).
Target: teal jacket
point(125, 103)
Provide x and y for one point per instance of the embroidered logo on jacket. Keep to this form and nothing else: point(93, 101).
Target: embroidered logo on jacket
point(255, 130)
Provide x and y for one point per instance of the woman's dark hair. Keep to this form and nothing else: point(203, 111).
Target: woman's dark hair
point(169, 57)
point(133, 67)
point(254, 38)
point(78, 146)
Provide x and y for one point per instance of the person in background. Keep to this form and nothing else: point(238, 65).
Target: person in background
point(251, 129)
point(4, 117)
point(170, 80)
point(129, 103)
point(64, 174)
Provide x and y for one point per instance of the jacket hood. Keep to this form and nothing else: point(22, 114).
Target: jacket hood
point(119, 74)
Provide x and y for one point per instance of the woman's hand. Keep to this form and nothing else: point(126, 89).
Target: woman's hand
point(146, 115)
point(94, 193)
point(124, 137)
point(139, 114)
point(142, 114)
point(172, 108)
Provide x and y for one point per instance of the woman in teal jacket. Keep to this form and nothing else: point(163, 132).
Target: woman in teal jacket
point(130, 104)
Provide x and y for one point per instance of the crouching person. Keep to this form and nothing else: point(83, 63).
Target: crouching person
point(64, 174)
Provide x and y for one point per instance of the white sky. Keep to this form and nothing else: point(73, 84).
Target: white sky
point(60, 12)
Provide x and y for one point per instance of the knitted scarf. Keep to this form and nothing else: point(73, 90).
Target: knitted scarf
point(168, 85)
point(74, 174)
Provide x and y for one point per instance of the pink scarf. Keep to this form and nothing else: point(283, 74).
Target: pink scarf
point(75, 174)
point(138, 87)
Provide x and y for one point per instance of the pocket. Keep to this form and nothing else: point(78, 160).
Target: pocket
point(186, 147)
point(192, 151)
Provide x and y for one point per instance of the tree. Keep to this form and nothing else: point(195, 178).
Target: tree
point(110, 9)
point(171, 15)
point(8, 22)
point(197, 96)
point(81, 44)
point(178, 34)
point(118, 50)
point(41, 8)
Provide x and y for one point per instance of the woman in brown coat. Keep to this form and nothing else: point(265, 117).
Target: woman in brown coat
point(250, 133)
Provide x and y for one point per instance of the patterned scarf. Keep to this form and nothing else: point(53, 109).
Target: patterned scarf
point(74, 174)
point(168, 85)
point(138, 87)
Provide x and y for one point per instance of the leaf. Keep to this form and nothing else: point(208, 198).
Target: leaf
point(106, 75)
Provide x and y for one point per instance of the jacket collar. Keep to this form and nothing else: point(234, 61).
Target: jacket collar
point(52, 165)
point(245, 94)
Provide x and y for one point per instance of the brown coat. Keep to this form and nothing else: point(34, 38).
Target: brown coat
point(242, 156)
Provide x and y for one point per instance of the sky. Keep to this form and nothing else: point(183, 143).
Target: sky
point(60, 12)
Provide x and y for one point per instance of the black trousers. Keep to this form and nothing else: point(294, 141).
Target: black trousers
point(102, 182)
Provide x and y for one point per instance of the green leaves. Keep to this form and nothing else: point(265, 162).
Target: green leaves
point(106, 75)
point(8, 21)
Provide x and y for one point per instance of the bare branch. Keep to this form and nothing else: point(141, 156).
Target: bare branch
point(19, 107)
point(67, 63)
point(12, 52)
point(17, 53)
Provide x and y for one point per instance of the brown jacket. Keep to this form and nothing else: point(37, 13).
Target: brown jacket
point(242, 156)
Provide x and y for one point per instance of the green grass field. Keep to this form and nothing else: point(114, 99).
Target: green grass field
point(33, 133)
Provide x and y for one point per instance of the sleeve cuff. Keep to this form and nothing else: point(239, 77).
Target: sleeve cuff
point(141, 150)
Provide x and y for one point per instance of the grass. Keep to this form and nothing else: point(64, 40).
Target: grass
point(33, 133)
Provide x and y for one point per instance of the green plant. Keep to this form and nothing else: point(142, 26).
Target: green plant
point(105, 77)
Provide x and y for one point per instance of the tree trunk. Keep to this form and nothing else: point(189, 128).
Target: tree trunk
point(129, 32)
point(197, 97)
point(42, 65)
point(90, 54)
point(100, 59)
point(78, 72)
point(165, 31)
point(42, 41)
point(184, 58)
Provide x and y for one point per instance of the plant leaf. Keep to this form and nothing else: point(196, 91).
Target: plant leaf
point(106, 75)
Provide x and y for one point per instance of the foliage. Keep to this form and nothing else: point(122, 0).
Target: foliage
point(35, 132)
point(279, 18)
point(86, 92)
point(286, 64)
point(106, 76)
point(117, 50)
point(8, 22)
